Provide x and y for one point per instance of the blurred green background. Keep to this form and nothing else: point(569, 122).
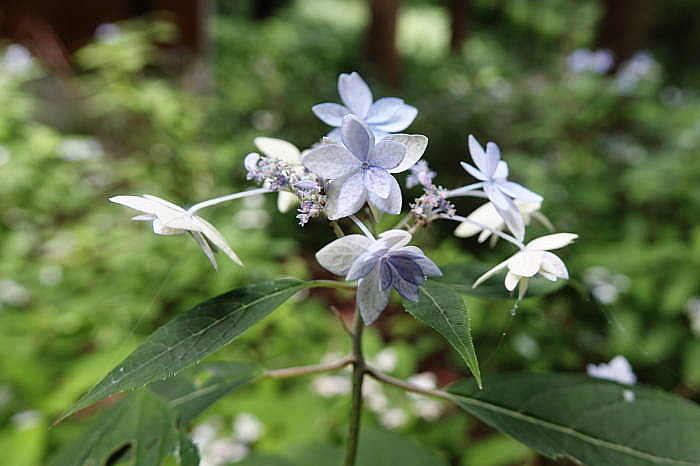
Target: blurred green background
point(615, 152)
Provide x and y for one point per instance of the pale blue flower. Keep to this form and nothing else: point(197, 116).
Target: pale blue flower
point(378, 265)
point(386, 115)
point(598, 61)
point(361, 169)
point(493, 174)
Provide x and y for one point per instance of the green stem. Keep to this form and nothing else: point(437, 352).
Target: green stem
point(358, 373)
point(331, 284)
point(307, 370)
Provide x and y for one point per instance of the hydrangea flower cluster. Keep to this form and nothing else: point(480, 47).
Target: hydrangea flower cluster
point(355, 166)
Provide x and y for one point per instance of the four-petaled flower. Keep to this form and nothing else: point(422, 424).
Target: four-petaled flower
point(493, 174)
point(379, 265)
point(386, 115)
point(488, 216)
point(361, 170)
point(171, 219)
point(534, 258)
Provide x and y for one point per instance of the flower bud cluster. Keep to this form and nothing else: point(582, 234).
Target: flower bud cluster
point(278, 175)
point(431, 206)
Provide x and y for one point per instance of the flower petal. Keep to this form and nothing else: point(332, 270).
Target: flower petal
point(518, 191)
point(355, 93)
point(406, 289)
point(407, 269)
point(330, 114)
point(331, 161)
point(415, 148)
point(383, 110)
point(549, 242)
point(392, 203)
point(552, 264)
point(387, 154)
point(501, 171)
point(371, 300)
point(285, 201)
point(493, 157)
point(217, 239)
point(345, 196)
point(205, 247)
point(491, 272)
point(513, 220)
point(478, 154)
point(473, 171)
point(393, 239)
point(335, 136)
point(386, 275)
point(525, 263)
point(278, 149)
point(357, 137)
point(364, 264)
point(337, 257)
point(511, 281)
point(427, 266)
point(378, 181)
point(399, 121)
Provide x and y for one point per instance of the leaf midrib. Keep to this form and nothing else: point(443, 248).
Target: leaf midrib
point(572, 432)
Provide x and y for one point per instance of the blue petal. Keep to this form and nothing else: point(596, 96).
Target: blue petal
point(407, 269)
point(391, 204)
point(406, 289)
point(383, 110)
point(386, 275)
point(345, 196)
point(429, 268)
point(513, 219)
point(371, 300)
point(399, 121)
point(478, 154)
point(378, 181)
point(493, 156)
point(474, 172)
point(363, 265)
point(355, 93)
point(496, 196)
point(387, 154)
point(357, 137)
point(519, 192)
point(331, 114)
point(331, 161)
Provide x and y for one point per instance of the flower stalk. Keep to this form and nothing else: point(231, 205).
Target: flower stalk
point(358, 373)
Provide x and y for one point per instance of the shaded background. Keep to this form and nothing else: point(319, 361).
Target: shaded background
point(166, 98)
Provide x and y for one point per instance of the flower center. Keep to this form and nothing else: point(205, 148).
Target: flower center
point(365, 165)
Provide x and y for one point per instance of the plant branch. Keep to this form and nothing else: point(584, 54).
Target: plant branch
point(500, 234)
point(409, 387)
point(307, 370)
point(358, 373)
point(331, 284)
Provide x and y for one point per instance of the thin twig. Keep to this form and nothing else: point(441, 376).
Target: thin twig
point(306, 370)
point(358, 373)
point(409, 387)
point(344, 324)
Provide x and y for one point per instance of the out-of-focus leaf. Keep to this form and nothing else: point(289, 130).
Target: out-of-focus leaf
point(194, 390)
point(191, 336)
point(590, 420)
point(187, 452)
point(497, 450)
point(444, 310)
point(24, 442)
point(140, 427)
point(462, 276)
point(383, 448)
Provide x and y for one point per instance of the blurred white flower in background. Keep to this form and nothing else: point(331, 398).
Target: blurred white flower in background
point(692, 310)
point(641, 66)
point(393, 418)
point(424, 407)
point(247, 428)
point(596, 61)
point(331, 385)
point(79, 148)
point(385, 360)
point(604, 285)
point(617, 370)
point(219, 450)
point(5, 155)
point(252, 214)
point(13, 294)
point(108, 32)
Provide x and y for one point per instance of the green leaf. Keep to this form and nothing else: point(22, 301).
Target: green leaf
point(187, 452)
point(462, 276)
point(191, 336)
point(587, 419)
point(140, 427)
point(380, 447)
point(444, 310)
point(194, 390)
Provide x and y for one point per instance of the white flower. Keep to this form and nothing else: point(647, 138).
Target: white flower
point(331, 385)
point(617, 370)
point(247, 428)
point(393, 418)
point(386, 360)
point(534, 258)
point(488, 216)
point(286, 152)
point(171, 219)
point(427, 409)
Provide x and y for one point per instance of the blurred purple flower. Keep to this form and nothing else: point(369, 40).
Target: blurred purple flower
point(493, 173)
point(599, 61)
point(386, 115)
point(379, 265)
point(360, 170)
point(421, 174)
